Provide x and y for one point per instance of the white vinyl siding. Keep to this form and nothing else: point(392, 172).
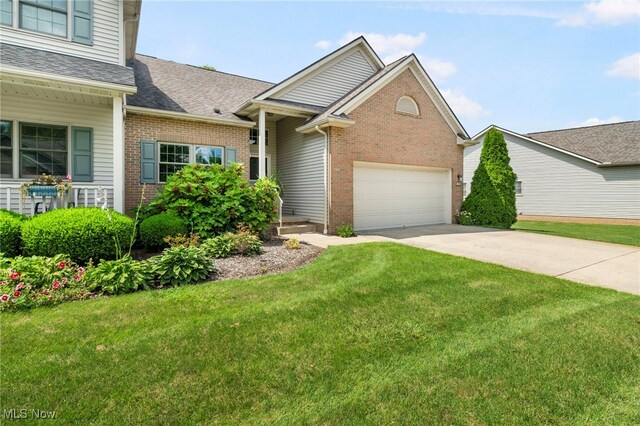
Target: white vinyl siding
point(26, 109)
point(301, 170)
point(332, 83)
point(557, 184)
point(106, 35)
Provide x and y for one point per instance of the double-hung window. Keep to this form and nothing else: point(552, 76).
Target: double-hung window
point(254, 134)
point(519, 187)
point(43, 149)
point(44, 16)
point(173, 157)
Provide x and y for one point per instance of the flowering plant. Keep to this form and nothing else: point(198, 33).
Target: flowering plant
point(27, 282)
point(47, 180)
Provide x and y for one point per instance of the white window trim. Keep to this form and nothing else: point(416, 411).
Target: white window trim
point(192, 155)
point(266, 136)
point(267, 172)
point(415, 104)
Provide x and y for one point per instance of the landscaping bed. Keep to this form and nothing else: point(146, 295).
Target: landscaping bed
point(275, 259)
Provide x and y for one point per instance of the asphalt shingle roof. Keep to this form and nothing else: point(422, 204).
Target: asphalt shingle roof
point(175, 87)
point(64, 65)
point(617, 143)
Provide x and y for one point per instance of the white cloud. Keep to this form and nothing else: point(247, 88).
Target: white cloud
point(594, 121)
point(629, 66)
point(390, 47)
point(614, 12)
point(462, 106)
point(607, 12)
point(323, 44)
point(438, 69)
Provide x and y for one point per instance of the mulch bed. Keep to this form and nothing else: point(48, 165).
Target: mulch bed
point(275, 259)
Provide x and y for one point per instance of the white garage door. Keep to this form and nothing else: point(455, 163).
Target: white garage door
point(387, 196)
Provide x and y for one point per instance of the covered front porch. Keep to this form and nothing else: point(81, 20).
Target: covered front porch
point(298, 161)
point(64, 127)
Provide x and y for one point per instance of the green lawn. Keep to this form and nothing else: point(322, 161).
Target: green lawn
point(367, 334)
point(619, 234)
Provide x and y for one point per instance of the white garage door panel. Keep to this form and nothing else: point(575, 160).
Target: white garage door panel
point(387, 197)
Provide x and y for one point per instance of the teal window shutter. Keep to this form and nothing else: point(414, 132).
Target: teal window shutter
point(82, 22)
point(82, 154)
point(148, 161)
point(231, 156)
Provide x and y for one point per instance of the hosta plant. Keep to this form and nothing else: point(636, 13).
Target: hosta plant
point(182, 265)
point(124, 275)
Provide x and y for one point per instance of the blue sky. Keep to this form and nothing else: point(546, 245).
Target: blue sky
point(526, 66)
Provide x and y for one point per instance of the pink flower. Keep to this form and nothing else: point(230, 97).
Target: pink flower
point(62, 264)
point(17, 294)
point(55, 285)
point(68, 177)
point(14, 275)
point(19, 286)
point(81, 270)
point(4, 297)
point(64, 281)
point(77, 277)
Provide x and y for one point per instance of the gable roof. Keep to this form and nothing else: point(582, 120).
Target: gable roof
point(179, 88)
point(339, 109)
point(308, 71)
point(615, 144)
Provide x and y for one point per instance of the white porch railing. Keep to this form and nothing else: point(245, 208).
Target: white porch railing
point(81, 196)
point(280, 204)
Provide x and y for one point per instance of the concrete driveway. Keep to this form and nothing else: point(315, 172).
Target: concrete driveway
point(601, 264)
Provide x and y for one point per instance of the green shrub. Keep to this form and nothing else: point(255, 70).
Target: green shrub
point(346, 231)
point(10, 232)
point(182, 265)
point(155, 229)
point(242, 242)
point(215, 199)
point(492, 200)
point(124, 275)
point(292, 244)
point(219, 247)
point(81, 233)
point(192, 240)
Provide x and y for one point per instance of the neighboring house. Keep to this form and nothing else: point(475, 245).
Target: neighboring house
point(586, 172)
point(353, 141)
point(63, 81)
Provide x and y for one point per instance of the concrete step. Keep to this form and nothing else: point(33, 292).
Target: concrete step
point(296, 229)
point(293, 220)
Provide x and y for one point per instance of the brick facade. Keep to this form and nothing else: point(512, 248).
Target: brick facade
point(382, 135)
point(139, 127)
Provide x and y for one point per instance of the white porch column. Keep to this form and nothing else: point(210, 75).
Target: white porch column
point(261, 143)
point(118, 155)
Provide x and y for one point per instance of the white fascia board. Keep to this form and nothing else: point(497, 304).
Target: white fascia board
point(271, 106)
point(537, 142)
point(298, 78)
point(427, 85)
point(326, 122)
point(186, 116)
point(54, 78)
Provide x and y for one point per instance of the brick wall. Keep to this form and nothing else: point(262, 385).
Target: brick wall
point(382, 135)
point(138, 127)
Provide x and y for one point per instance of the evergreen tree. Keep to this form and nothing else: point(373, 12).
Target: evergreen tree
point(492, 200)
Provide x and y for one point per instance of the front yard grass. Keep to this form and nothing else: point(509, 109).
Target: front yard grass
point(619, 234)
point(366, 334)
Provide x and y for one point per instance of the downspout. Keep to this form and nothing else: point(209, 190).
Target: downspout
point(326, 180)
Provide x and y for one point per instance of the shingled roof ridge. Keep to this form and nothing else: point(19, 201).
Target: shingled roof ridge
point(583, 127)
